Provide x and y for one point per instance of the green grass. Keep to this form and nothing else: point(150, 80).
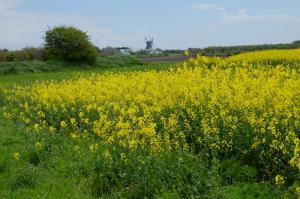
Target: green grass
point(28, 78)
point(18, 67)
point(26, 179)
point(27, 72)
point(116, 61)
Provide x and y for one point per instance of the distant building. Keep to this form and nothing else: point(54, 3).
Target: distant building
point(109, 51)
point(125, 50)
point(149, 44)
point(156, 52)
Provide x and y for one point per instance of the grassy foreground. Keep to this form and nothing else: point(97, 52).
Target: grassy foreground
point(167, 134)
point(21, 67)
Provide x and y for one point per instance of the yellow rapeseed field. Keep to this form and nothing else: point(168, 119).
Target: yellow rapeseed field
point(242, 106)
point(271, 55)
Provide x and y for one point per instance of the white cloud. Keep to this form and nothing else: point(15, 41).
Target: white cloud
point(205, 7)
point(20, 29)
point(6, 5)
point(243, 16)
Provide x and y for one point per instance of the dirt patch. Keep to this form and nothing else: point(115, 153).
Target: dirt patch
point(163, 59)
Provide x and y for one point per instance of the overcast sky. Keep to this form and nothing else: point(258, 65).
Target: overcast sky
point(174, 24)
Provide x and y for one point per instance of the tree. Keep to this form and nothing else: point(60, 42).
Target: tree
point(69, 43)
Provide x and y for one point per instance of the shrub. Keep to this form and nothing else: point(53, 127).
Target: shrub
point(11, 56)
point(34, 53)
point(29, 53)
point(21, 55)
point(70, 44)
point(3, 55)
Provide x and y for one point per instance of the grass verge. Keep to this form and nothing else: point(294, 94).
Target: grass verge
point(18, 67)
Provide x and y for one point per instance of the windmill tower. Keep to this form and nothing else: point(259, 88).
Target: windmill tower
point(149, 44)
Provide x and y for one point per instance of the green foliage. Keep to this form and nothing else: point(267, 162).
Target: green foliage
point(21, 56)
point(18, 67)
point(31, 53)
point(4, 163)
point(234, 171)
point(144, 174)
point(251, 191)
point(3, 55)
point(25, 54)
point(30, 67)
point(70, 44)
point(26, 177)
point(10, 57)
point(116, 61)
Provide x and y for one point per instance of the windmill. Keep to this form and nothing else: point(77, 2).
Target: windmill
point(149, 44)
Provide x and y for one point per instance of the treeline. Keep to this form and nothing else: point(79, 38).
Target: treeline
point(233, 50)
point(29, 53)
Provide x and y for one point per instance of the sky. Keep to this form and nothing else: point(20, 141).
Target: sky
point(174, 24)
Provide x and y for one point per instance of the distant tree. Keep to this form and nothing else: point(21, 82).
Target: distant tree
point(11, 56)
point(69, 43)
point(296, 42)
point(34, 53)
point(3, 55)
point(21, 55)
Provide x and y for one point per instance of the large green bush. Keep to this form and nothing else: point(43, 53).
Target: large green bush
point(70, 44)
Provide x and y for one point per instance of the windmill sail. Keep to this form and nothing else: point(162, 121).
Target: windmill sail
point(149, 44)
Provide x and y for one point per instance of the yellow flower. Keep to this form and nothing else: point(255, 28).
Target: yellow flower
point(123, 156)
point(76, 148)
point(36, 126)
point(106, 154)
point(74, 136)
point(86, 120)
point(279, 180)
point(186, 53)
point(63, 124)
point(73, 121)
point(17, 156)
point(94, 147)
point(39, 145)
point(52, 129)
point(81, 114)
point(298, 191)
point(41, 114)
point(26, 120)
